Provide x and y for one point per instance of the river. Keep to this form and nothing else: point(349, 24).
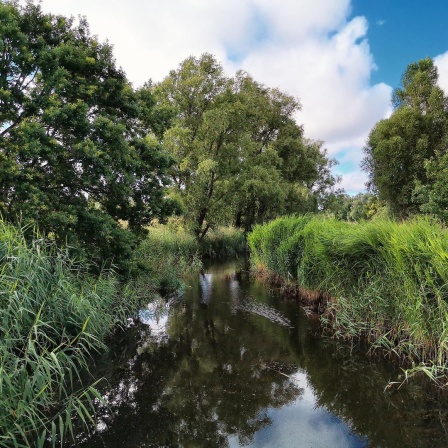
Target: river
point(233, 364)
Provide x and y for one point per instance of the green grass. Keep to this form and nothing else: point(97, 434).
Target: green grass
point(169, 252)
point(53, 318)
point(165, 256)
point(223, 242)
point(388, 281)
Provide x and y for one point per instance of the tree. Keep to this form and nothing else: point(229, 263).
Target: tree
point(258, 190)
point(240, 156)
point(398, 147)
point(432, 197)
point(361, 207)
point(72, 157)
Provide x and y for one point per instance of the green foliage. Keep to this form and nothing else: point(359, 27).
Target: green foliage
point(432, 196)
point(278, 245)
point(387, 280)
point(223, 242)
point(362, 207)
point(417, 86)
point(240, 156)
point(53, 317)
point(170, 251)
point(400, 149)
point(350, 208)
point(165, 256)
point(73, 158)
point(399, 146)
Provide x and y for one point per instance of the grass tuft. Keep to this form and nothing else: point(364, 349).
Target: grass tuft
point(53, 317)
point(387, 281)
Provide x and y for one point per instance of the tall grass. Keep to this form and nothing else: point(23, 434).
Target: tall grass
point(165, 256)
point(53, 316)
point(223, 242)
point(387, 281)
point(170, 250)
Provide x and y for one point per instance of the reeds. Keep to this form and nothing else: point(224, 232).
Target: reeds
point(165, 256)
point(388, 281)
point(53, 316)
point(223, 242)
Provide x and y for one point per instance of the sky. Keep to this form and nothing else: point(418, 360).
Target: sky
point(340, 58)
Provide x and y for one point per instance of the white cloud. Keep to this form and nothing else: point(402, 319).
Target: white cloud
point(441, 62)
point(354, 182)
point(330, 74)
point(311, 49)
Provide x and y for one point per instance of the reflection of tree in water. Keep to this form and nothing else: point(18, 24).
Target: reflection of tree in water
point(226, 381)
point(208, 382)
point(224, 363)
point(352, 387)
point(206, 282)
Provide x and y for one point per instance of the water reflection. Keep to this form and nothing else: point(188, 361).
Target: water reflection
point(206, 282)
point(233, 365)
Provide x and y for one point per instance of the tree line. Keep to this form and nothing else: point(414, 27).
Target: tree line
point(92, 161)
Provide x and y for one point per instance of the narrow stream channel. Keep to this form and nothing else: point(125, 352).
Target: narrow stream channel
point(233, 364)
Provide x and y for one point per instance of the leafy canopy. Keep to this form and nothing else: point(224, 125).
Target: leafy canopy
point(240, 156)
point(73, 157)
point(402, 151)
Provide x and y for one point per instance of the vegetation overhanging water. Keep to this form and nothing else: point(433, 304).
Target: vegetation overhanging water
point(92, 162)
point(382, 281)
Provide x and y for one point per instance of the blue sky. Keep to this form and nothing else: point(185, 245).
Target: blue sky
point(340, 58)
point(403, 31)
point(399, 32)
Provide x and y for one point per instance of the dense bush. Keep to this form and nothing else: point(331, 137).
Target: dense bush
point(387, 280)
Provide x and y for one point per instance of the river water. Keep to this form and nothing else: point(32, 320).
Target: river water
point(233, 364)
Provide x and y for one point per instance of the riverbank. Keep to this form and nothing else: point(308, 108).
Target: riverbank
point(55, 318)
point(382, 281)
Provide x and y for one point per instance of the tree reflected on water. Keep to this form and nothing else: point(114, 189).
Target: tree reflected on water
point(221, 366)
point(206, 381)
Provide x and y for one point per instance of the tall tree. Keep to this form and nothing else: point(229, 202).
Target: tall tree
point(398, 147)
point(239, 153)
point(72, 158)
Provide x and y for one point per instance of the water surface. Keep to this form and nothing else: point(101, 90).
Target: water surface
point(233, 364)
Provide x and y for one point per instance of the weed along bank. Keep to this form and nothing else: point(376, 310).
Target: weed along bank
point(384, 282)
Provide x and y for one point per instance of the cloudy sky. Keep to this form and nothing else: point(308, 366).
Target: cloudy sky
point(341, 58)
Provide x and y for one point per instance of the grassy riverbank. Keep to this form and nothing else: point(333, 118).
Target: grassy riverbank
point(384, 281)
point(55, 317)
